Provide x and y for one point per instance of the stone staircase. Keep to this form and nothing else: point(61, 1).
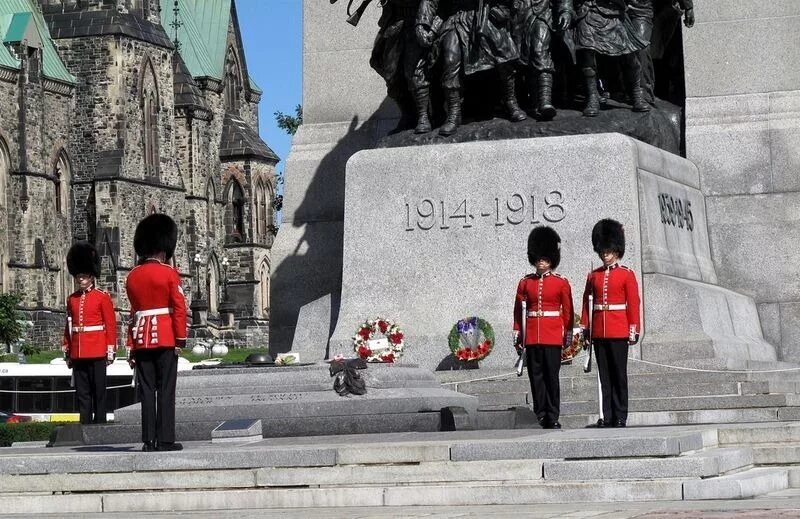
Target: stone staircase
point(708, 391)
point(405, 469)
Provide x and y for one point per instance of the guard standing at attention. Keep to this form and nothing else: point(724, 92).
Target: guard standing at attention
point(615, 320)
point(157, 329)
point(549, 318)
point(90, 336)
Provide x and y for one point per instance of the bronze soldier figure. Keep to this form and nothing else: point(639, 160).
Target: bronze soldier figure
point(608, 28)
point(403, 63)
point(475, 36)
point(533, 28)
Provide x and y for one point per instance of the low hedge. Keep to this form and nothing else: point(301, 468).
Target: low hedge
point(25, 432)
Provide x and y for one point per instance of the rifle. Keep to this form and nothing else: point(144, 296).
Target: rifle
point(587, 365)
point(354, 18)
point(523, 328)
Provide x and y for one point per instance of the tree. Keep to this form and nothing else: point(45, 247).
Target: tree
point(11, 325)
point(290, 123)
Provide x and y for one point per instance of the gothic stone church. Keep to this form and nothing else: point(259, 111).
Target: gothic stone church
point(109, 111)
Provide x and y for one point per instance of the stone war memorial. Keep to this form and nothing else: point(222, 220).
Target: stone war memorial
point(436, 136)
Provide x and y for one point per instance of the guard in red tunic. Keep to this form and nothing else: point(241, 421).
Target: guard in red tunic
point(548, 297)
point(615, 319)
point(90, 336)
point(157, 329)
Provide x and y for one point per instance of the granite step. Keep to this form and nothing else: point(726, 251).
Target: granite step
point(569, 391)
point(695, 416)
point(744, 485)
point(684, 403)
point(700, 464)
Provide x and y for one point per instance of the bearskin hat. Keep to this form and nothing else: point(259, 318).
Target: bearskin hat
point(608, 235)
point(82, 258)
point(544, 242)
point(156, 233)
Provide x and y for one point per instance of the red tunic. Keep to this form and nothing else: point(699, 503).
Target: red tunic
point(616, 303)
point(550, 310)
point(91, 329)
point(158, 308)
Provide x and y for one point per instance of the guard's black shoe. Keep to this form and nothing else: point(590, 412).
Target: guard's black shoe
point(599, 424)
point(148, 447)
point(619, 423)
point(170, 446)
point(556, 425)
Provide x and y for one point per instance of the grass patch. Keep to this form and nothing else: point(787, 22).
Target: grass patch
point(233, 356)
point(26, 432)
point(42, 357)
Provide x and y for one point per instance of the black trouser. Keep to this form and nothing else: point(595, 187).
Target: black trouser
point(544, 363)
point(156, 375)
point(612, 366)
point(90, 389)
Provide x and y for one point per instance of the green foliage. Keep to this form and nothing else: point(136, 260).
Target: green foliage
point(11, 325)
point(290, 123)
point(30, 350)
point(25, 432)
point(40, 357)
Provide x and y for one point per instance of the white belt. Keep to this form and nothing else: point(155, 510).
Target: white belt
point(139, 325)
point(545, 313)
point(610, 307)
point(154, 311)
point(96, 328)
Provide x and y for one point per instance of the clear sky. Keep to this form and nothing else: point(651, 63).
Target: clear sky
point(272, 33)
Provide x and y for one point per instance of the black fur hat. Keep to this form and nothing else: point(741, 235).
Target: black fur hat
point(544, 242)
point(608, 235)
point(156, 233)
point(82, 258)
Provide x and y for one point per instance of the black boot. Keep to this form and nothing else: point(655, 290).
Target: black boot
point(422, 100)
point(592, 108)
point(515, 113)
point(545, 97)
point(633, 72)
point(453, 99)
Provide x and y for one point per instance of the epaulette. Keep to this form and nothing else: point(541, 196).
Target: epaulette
point(558, 275)
point(102, 291)
point(625, 267)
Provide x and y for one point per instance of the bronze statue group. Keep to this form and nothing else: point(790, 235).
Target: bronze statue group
point(156, 331)
point(610, 320)
point(444, 43)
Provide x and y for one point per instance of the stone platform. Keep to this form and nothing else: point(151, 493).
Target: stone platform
point(469, 468)
point(299, 400)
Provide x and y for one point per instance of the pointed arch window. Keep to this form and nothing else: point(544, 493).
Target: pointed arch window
point(233, 81)
point(61, 176)
point(211, 221)
point(234, 213)
point(150, 109)
point(212, 285)
point(263, 289)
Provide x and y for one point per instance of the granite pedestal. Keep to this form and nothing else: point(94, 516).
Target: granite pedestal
point(435, 233)
point(300, 401)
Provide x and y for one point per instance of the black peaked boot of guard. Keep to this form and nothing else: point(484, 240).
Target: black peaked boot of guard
point(174, 446)
point(592, 108)
point(545, 107)
point(453, 99)
point(148, 447)
point(422, 100)
point(515, 113)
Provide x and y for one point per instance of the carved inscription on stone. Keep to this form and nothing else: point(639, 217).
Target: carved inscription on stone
point(515, 209)
point(676, 211)
point(275, 397)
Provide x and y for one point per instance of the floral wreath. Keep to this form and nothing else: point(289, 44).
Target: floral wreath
point(368, 330)
point(471, 338)
point(571, 351)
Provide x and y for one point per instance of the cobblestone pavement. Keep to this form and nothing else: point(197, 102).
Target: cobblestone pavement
point(781, 505)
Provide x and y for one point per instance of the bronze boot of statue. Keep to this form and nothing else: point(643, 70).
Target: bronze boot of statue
point(422, 100)
point(545, 106)
point(592, 108)
point(515, 113)
point(453, 99)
